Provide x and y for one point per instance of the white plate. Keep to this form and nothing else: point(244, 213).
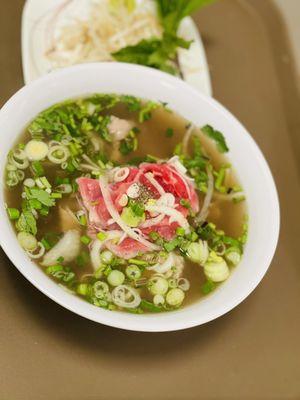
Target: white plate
point(37, 16)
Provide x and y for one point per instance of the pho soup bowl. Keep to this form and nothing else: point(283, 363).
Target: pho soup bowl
point(249, 163)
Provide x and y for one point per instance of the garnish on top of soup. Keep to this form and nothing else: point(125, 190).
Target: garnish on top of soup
point(125, 203)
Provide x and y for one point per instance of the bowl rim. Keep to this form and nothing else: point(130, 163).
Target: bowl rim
point(107, 318)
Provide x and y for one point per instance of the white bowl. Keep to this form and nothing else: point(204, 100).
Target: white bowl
point(252, 169)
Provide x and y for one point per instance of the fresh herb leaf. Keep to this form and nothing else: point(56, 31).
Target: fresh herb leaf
point(42, 196)
point(160, 53)
point(173, 11)
point(217, 136)
point(137, 208)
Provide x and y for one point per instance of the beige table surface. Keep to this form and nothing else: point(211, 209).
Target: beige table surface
point(253, 352)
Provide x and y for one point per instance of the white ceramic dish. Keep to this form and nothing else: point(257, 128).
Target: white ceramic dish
point(38, 16)
point(244, 154)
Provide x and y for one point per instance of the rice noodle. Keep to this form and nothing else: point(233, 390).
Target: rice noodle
point(118, 220)
point(187, 137)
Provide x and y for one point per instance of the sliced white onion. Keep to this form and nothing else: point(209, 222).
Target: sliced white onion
point(187, 137)
point(121, 174)
point(61, 149)
point(177, 271)
point(37, 254)
point(95, 253)
point(126, 296)
point(201, 217)
point(90, 162)
point(116, 216)
point(133, 191)
point(29, 182)
point(97, 246)
point(36, 150)
point(153, 221)
point(183, 284)
point(68, 248)
point(167, 199)
point(123, 201)
point(19, 159)
point(165, 267)
point(175, 161)
point(154, 183)
point(175, 215)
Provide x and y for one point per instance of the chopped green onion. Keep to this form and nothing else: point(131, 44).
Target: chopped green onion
point(85, 239)
point(44, 211)
point(158, 300)
point(152, 307)
point(54, 268)
point(37, 168)
point(180, 231)
point(158, 285)
point(137, 262)
point(238, 199)
point(83, 289)
point(115, 278)
point(46, 244)
point(83, 220)
point(175, 297)
point(27, 241)
point(133, 272)
point(106, 256)
point(45, 182)
point(82, 259)
point(198, 252)
point(101, 236)
point(169, 132)
point(171, 245)
point(35, 204)
point(56, 195)
point(208, 287)
point(13, 213)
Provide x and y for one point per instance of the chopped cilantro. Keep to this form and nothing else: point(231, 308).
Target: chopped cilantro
point(42, 196)
point(129, 144)
point(217, 136)
point(169, 132)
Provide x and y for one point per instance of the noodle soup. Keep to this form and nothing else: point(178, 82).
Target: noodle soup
point(125, 203)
